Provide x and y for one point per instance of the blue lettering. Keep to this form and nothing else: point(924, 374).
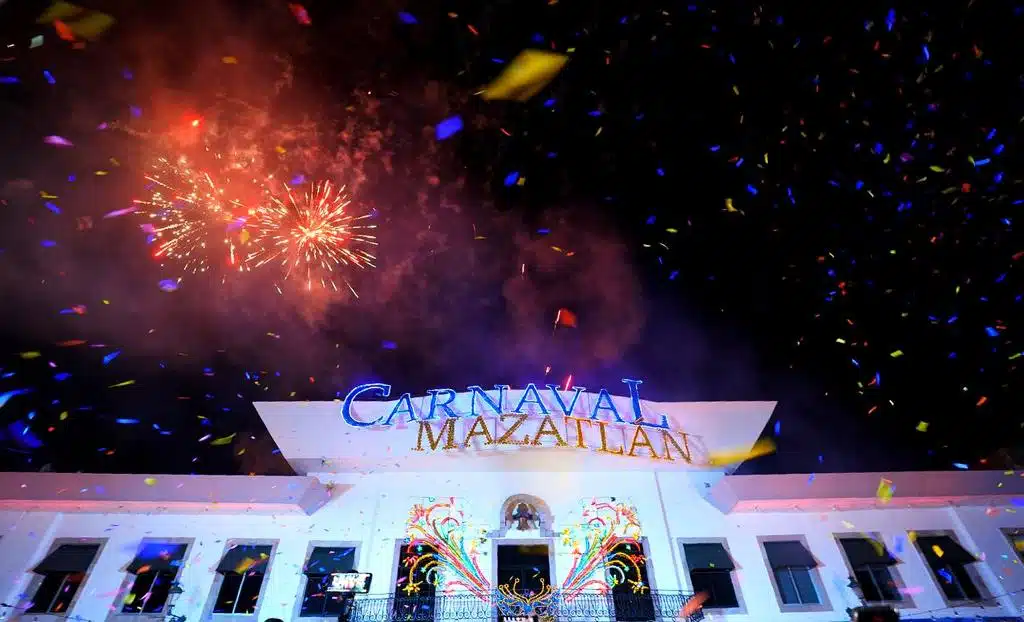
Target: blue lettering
point(531, 389)
point(604, 395)
point(497, 407)
point(445, 405)
point(346, 408)
point(404, 405)
point(638, 415)
point(558, 398)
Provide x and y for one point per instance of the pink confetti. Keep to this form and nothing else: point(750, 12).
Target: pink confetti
point(58, 141)
point(120, 212)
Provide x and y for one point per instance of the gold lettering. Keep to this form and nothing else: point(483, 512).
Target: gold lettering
point(646, 443)
point(484, 432)
point(580, 440)
point(604, 439)
point(553, 431)
point(506, 438)
point(667, 437)
point(447, 427)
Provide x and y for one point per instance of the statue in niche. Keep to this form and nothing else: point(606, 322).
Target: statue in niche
point(522, 517)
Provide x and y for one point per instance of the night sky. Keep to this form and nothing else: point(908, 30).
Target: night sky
point(737, 200)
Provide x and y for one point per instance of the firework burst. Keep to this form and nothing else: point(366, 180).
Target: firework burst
point(193, 220)
point(313, 237)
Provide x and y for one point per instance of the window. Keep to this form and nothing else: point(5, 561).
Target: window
point(63, 572)
point(631, 591)
point(871, 564)
point(792, 566)
point(242, 570)
point(322, 562)
point(1016, 538)
point(415, 582)
point(711, 573)
point(949, 563)
point(155, 568)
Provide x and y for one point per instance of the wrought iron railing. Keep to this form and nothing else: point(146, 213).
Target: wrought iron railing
point(586, 607)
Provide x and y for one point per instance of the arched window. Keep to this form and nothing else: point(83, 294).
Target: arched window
point(523, 513)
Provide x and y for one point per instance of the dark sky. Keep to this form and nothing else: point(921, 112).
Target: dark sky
point(867, 274)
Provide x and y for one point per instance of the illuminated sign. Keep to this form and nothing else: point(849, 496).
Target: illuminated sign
point(561, 420)
point(350, 582)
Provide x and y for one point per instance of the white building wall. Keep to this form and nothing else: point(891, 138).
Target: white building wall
point(373, 513)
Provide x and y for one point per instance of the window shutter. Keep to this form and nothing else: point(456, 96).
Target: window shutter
point(69, 558)
point(243, 557)
point(789, 554)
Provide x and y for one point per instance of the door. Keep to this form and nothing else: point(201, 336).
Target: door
point(525, 570)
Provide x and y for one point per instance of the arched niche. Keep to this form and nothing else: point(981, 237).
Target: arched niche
point(524, 511)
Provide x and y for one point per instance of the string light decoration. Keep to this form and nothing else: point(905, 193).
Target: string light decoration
point(594, 541)
point(441, 527)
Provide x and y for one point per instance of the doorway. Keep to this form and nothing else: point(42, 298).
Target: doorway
point(524, 568)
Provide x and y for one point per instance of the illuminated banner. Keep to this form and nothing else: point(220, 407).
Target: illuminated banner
point(350, 582)
point(540, 418)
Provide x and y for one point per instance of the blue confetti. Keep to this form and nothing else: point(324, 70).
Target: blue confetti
point(991, 331)
point(778, 427)
point(960, 465)
point(127, 421)
point(49, 77)
point(448, 128)
point(511, 179)
point(407, 18)
point(113, 355)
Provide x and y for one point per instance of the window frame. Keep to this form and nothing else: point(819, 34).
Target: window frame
point(741, 605)
point(37, 579)
point(825, 603)
point(114, 612)
point(985, 597)
point(894, 572)
point(1010, 533)
point(218, 581)
point(300, 593)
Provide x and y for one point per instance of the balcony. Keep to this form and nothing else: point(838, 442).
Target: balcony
point(587, 607)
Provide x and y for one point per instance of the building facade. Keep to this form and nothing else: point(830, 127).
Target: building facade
point(575, 515)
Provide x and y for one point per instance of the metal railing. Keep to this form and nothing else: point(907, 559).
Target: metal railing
point(586, 607)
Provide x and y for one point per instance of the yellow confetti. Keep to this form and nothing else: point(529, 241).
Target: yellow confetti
point(938, 550)
point(885, 490)
point(937, 169)
point(101, 173)
point(229, 60)
point(922, 426)
point(525, 76)
point(223, 440)
point(729, 207)
point(30, 355)
point(64, 415)
point(121, 384)
point(47, 195)
point(896, 354)
point(149, 481)
point(762, 447)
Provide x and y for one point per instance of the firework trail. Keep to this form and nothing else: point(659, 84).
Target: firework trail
point(312, 237)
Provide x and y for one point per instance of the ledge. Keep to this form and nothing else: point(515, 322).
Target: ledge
point(852, 491)
point(161, 494)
